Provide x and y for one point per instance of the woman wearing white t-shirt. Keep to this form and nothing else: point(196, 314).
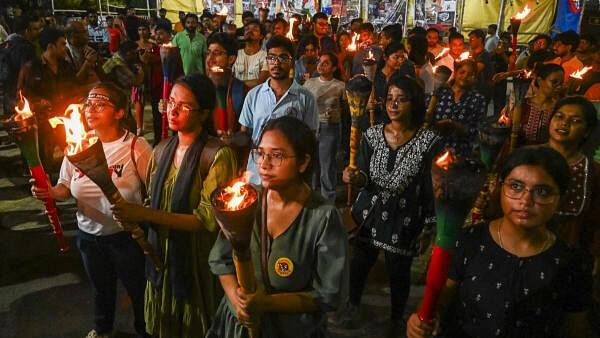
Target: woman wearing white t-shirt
point(108, 252)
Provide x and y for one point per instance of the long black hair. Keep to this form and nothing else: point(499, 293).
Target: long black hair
point(205, 94)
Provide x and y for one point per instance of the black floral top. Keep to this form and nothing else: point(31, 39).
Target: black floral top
point(397, 202)
point(469, 111)
point(502, 295)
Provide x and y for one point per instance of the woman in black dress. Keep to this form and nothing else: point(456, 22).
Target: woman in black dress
point(395, 203)
point(512, 277)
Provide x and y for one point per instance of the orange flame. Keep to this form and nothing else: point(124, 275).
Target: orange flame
point(434, 68)
point(527, 73)
point(370, 56)
point(445, 160)
point(224, 11)
point(504, 120)
point(464, 56)
point(522, 14)
point(235, 196)
point(578, 74)
point(290, 33)
point(78, 139)
point(25, 113)
point(352, 46)
point(167, 45)
point(216, 69)
point(442, 53)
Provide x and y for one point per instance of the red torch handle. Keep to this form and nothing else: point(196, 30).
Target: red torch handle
point(165, 95)
point(436, 279)
point(39, 174)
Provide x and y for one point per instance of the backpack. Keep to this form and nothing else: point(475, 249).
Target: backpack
point(6, 68)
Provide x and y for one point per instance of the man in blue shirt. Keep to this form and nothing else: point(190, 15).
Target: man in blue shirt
point(276, 97)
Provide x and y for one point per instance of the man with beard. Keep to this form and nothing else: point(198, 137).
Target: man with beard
point(251, 64)
point(192, 46)
point(564, 47)
point(82, 58)
point(276, 97)
point(50, 84)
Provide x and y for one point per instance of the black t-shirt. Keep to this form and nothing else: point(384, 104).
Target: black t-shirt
point(502, 295)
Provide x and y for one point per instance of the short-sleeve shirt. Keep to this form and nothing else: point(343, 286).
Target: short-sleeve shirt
point(261, 105)
point(569, 66)
point(193, 52)
point(329, 95)
point(248, 67)
point(508, 296)
point(94, 215)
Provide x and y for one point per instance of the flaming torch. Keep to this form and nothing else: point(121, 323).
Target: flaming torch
point(352, 46)
point(370, 68)
point(515, 23)
point(358, 90)
point(85, 153)
point(575, 79)
point(290, 33)
point(455, 185)
point(169, 55)
point(23, 127)
point(235, 207)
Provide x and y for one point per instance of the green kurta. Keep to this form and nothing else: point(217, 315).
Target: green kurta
point(167, 317)
point(316, 245)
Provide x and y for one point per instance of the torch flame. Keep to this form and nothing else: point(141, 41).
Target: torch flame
point(25, 113)
point(444, 160)
point(167, 45)
point(235, 195)
point(504, 120)
point(464, 56)
point(290, 33)
point(522, 14)
point(216, 69)
point(78, 139)
point(370, 55)
point(224, 11)
point(352, 46)
point(442, 53)
point(578, 74)
point(527, 73)
point(434, 68)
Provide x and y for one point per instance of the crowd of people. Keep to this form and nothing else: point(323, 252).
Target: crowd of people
point(269, 98)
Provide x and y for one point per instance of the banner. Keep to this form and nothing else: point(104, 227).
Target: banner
point(568, 15)
point(439, 14)
point(385, 12)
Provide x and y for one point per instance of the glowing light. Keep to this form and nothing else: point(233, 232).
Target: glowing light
point(504, 120)
point(78, 139)
point(290, 33)
point(167, 45)
point(434, 68)
point(578, 74)
point(445, 160)
point(235, 196)
point(527, 73)
point(352, 46)
point(442, 53)
point(464, 56)
point(216, 69)
point(522, 14)
point(25, 113)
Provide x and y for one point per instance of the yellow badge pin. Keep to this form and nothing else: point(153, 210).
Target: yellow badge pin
point(284, 267)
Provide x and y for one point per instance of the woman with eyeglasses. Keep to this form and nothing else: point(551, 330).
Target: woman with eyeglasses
point(536, 110)
point(305, 267)
point(512, 277)
point(183, 171)
point(394, 207)
point(461, 106)
point(108, 252)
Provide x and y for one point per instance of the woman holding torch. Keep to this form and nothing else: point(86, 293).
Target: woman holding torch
point(183, 172)
point(108, 252)
point(512, 277)
point(395, 203)
point(305, 248)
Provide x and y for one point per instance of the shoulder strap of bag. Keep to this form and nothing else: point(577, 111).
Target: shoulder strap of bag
point(207, 157)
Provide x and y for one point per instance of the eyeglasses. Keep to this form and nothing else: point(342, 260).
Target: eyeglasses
point(541, 194)
point(181, 107)
point(560, 117)
point(397, 102)
point(258, 156)
point(96, 105)
point(283, 58)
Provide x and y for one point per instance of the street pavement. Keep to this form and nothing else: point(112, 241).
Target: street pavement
point(46, 294)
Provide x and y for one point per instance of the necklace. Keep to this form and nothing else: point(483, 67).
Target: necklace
point(499, 233)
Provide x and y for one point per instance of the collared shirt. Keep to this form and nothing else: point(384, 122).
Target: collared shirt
point(261, 105)
point(98, 34)
point(193, 51)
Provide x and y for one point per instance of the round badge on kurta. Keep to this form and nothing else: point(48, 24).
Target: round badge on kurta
point(284, 267)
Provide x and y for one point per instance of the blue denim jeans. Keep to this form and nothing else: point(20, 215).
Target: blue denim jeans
point(105, 259)
point(329, 134)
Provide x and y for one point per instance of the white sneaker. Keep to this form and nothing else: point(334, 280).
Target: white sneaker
point(94, 334)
